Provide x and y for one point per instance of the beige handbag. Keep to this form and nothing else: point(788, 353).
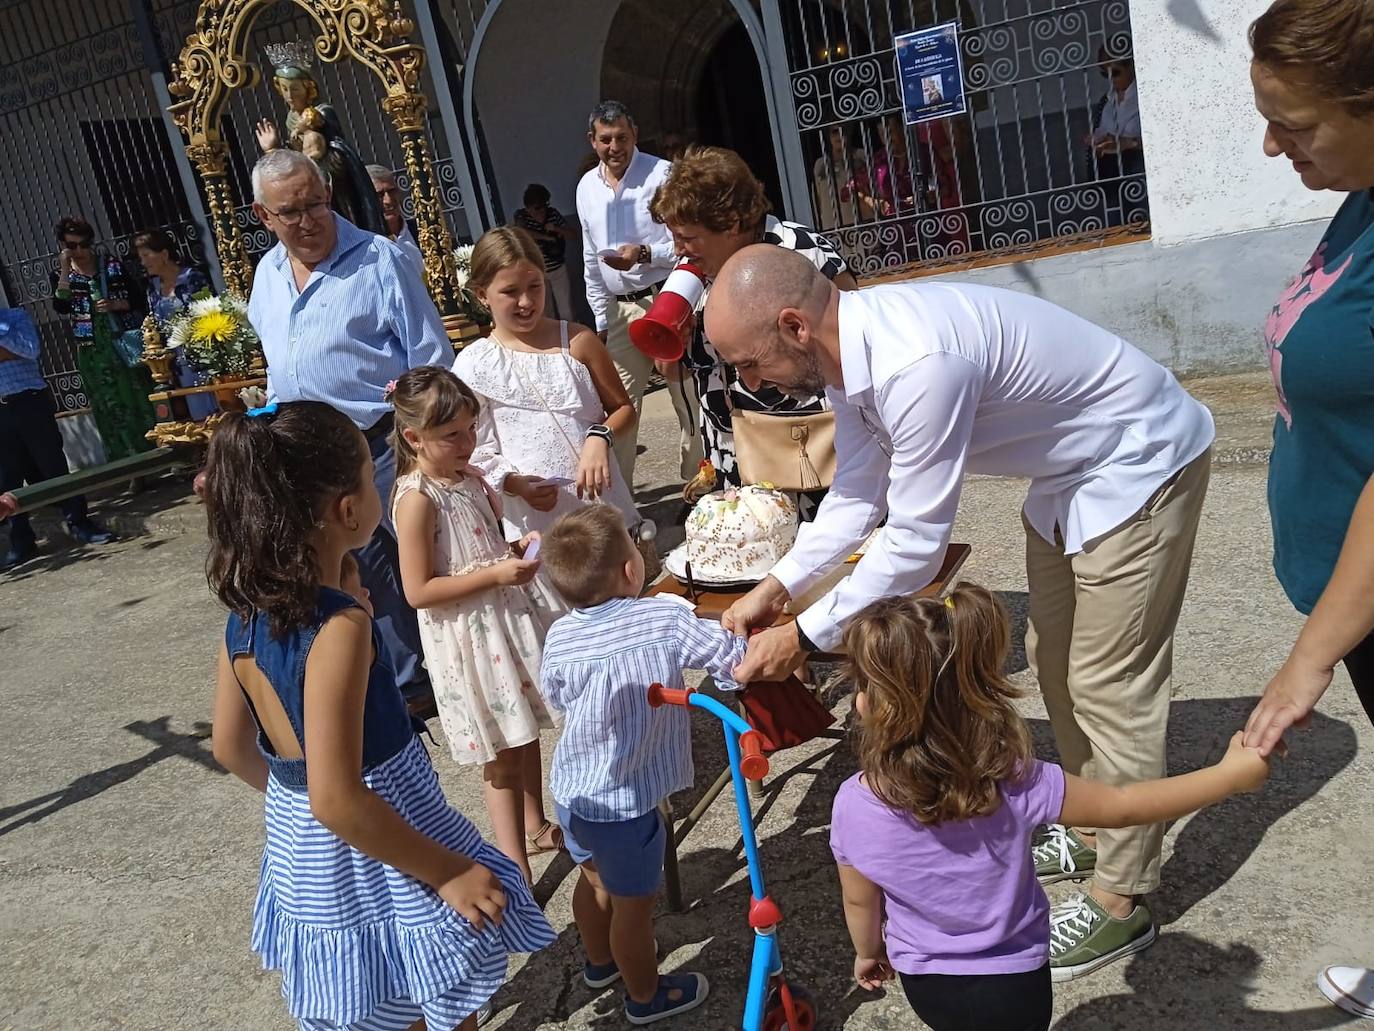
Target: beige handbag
point(792, 452)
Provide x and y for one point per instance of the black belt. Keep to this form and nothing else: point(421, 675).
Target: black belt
point(648, 291)
point(380, 428)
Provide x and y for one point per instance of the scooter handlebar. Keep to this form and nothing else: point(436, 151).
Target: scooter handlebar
point(752, 763)
point(660, 695)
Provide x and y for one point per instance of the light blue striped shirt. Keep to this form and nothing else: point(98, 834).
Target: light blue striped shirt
point(19, 336)
point(363, 320)
point(619, 757)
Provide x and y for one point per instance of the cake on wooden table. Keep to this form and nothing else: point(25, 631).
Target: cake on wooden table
point(738, 535)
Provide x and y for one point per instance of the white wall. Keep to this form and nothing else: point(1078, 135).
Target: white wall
point(1208, 176)
point(538, 75)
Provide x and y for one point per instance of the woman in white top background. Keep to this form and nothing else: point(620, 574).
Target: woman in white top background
point(1115, 151)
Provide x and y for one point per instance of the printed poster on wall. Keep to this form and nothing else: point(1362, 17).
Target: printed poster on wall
point(930, 72)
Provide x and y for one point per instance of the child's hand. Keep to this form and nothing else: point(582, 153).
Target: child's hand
point(514, 572)
point(541, 499)
point(871, 971)
point(594, 468)
point(523, 544)
point(1246, 767)
point(476, 894)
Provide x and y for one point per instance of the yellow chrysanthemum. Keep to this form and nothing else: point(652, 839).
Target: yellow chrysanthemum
point(213, 327)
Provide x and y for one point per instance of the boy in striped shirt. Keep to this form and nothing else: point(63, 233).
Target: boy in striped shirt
point(618, 757)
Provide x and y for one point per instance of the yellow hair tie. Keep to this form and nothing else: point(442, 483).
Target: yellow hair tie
point(949, 603)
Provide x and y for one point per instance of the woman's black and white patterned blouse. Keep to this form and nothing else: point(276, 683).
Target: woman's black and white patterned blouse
point(712, 377)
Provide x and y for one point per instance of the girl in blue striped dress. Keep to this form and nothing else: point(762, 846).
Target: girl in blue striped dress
point(381, 905)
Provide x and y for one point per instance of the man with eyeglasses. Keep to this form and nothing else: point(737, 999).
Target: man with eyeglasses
point(389, 194)
point(931, 381)
point(341, 314)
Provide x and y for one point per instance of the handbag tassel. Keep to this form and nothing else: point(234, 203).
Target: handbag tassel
point(809, 477)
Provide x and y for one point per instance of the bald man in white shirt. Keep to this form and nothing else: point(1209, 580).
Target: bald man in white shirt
point(930, 381)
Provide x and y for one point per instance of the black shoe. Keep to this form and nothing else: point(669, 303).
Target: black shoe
point(18, 555)
point(88, 531)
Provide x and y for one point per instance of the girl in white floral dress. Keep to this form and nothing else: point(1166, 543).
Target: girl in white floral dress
point(483, 607)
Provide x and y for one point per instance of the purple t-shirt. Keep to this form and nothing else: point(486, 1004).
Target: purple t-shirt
point(961, 897)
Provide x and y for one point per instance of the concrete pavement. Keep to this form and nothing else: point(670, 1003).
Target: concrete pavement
point(128, 860)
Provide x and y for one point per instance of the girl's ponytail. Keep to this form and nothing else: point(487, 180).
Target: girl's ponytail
point(269, 478)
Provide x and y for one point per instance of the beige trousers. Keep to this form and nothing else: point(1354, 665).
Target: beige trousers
point(634, 367)
point(1101, 644)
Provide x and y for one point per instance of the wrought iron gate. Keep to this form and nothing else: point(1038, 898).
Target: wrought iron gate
point(1011, 173)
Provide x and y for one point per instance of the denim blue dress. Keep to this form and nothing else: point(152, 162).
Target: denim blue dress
point(361, 945)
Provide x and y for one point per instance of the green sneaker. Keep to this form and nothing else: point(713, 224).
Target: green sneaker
point(1083, 937)
point(1061, 855)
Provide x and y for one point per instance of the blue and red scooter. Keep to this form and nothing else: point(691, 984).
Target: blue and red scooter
point(772, 1003)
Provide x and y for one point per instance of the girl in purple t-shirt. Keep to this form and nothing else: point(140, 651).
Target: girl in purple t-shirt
point(935, 831)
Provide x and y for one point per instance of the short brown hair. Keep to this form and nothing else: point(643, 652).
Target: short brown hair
point(583, 553)
point(500, 248)
point(710, 187)
point(941, 733)
point(1326, 45)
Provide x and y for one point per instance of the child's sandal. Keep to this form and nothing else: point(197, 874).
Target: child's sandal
point(551, 833)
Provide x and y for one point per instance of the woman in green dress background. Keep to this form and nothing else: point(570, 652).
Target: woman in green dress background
point(94, 304)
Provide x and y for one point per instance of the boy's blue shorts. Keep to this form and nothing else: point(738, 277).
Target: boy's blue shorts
point(628, 853)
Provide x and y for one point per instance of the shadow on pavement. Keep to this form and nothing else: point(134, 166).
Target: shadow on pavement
point(1189, 983)
point(169, 744)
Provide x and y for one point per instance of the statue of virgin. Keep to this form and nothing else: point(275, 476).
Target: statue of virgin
point(314, 129)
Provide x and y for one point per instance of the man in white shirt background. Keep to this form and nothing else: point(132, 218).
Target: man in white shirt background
point(626, 255)
point(930, 381)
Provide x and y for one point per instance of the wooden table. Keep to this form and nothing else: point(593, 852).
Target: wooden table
point(711, 604)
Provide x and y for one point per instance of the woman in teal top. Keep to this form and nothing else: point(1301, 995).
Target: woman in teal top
point(1314, 86)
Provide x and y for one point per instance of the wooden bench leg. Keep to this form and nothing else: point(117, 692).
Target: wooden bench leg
point(672, 879)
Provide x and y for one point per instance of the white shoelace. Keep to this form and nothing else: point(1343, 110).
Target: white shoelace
point(1055, 846)
point(1070, 922)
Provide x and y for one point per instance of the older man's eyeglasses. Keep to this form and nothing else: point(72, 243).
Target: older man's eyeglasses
point(293, 216)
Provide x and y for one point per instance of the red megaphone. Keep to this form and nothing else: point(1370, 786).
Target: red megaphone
point(662, 331)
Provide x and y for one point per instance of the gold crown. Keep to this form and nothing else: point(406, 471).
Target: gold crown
point(298, 53)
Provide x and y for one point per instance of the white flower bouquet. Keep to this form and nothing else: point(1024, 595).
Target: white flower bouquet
point(215, 335)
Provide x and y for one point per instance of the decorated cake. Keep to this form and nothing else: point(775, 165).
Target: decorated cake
point(738, 535)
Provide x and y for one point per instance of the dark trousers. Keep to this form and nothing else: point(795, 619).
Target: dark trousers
point(31, 452)
point(1360, 665)
point(982, 1002)
point(380, 566)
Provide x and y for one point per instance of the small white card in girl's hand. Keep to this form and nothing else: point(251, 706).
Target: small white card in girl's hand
point(532, 550)
point(555, 481)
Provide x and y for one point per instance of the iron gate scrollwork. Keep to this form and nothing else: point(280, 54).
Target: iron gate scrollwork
point(1012, 173)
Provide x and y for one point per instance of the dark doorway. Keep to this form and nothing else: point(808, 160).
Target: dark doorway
point(731, 110)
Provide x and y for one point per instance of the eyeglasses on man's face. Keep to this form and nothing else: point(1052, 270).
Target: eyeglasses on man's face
point(292, 217)
point(77, 245)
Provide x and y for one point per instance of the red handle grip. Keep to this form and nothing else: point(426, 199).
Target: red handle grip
point(752, 763)
point(660, 695)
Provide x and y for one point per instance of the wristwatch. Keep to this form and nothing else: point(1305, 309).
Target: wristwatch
point(604, 432)
point(645, 255)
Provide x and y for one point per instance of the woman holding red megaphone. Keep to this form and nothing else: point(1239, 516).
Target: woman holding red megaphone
point(714, 206)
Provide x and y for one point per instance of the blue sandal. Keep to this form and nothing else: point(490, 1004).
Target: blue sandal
point(693, 989)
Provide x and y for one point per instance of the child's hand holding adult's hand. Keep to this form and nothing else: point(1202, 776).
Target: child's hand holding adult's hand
point(1246, 767)
point(513, 572)
point(871, 971)
point(476, 894)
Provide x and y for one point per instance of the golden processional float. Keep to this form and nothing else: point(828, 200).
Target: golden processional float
point(214, 62)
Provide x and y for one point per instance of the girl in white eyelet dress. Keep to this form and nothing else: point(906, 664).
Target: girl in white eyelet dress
point(544, 385)
point(483, 609)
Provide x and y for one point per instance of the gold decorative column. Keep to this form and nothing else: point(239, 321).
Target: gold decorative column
point(212, 159)
point(407, 110)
